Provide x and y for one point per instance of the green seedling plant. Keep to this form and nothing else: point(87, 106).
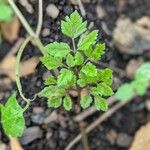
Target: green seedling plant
point(74, 62)
point(136, 87)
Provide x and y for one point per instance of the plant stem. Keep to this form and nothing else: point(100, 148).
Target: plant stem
point(84, 136)
point(40, 18)
point(26, 25)
point(74, 46)
point(17, 70)
point(21, 17)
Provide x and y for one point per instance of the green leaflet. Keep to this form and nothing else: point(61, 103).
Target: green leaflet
point(12, 117)
point(88, 40)
point(97, 52)
point(50, 80)
point(54, 102)
point(70, 60)
point(73, 26)
point(100, 103)
point(86, 101)
point(125, 92)
point(138, 86)
point(106, 76)
point(6, 12)
point(104, 89)
point(66, 78)
point(143, 71)
point(51, 62)
point(67, 103)
point(57, 49)
point(79, 59)
point(89, 69)
point(52, 91)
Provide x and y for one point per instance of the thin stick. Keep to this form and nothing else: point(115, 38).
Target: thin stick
point(21, 17)
point(40, 18)
point(83, 12)
point(97, 122)
point(17, 70)
point(84, 136)
point(92, 110)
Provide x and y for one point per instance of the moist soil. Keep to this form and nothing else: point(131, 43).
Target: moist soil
point(127, 120)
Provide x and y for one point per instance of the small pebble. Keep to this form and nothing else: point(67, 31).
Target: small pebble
point(100, 12)
point(124, 140)
point(30, 135)
point(147, 104)
point(52, 11)
point(45, 32)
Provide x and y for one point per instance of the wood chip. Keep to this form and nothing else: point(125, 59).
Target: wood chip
point(27, 67)
point(14, 144)
point(142, 138)
point(10, 30)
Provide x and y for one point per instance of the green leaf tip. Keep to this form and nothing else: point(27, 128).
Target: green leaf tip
point(73, 26)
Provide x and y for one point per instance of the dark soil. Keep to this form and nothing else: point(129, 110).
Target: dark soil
point(127, 120)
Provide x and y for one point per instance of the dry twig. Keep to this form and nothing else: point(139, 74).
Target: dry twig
point(97, 122)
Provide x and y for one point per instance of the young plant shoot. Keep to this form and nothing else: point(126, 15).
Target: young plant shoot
point(76, 69)
point(78, 82)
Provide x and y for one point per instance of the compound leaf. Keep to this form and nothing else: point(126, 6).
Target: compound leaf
point(73, 26)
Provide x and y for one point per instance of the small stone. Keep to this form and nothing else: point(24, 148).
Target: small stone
point(51, 117)
point(38, 110)
point(38, 115)
point(30, 135)
point(124, 140)
point(147, 104)
point(130, 37)
point(45, 32)
point(63, 135)
point(52, 11)
point(100, 12)
point(3, 146)
point(132, 66)
point(111, 136)
point(68, 9)
point(38, 118)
